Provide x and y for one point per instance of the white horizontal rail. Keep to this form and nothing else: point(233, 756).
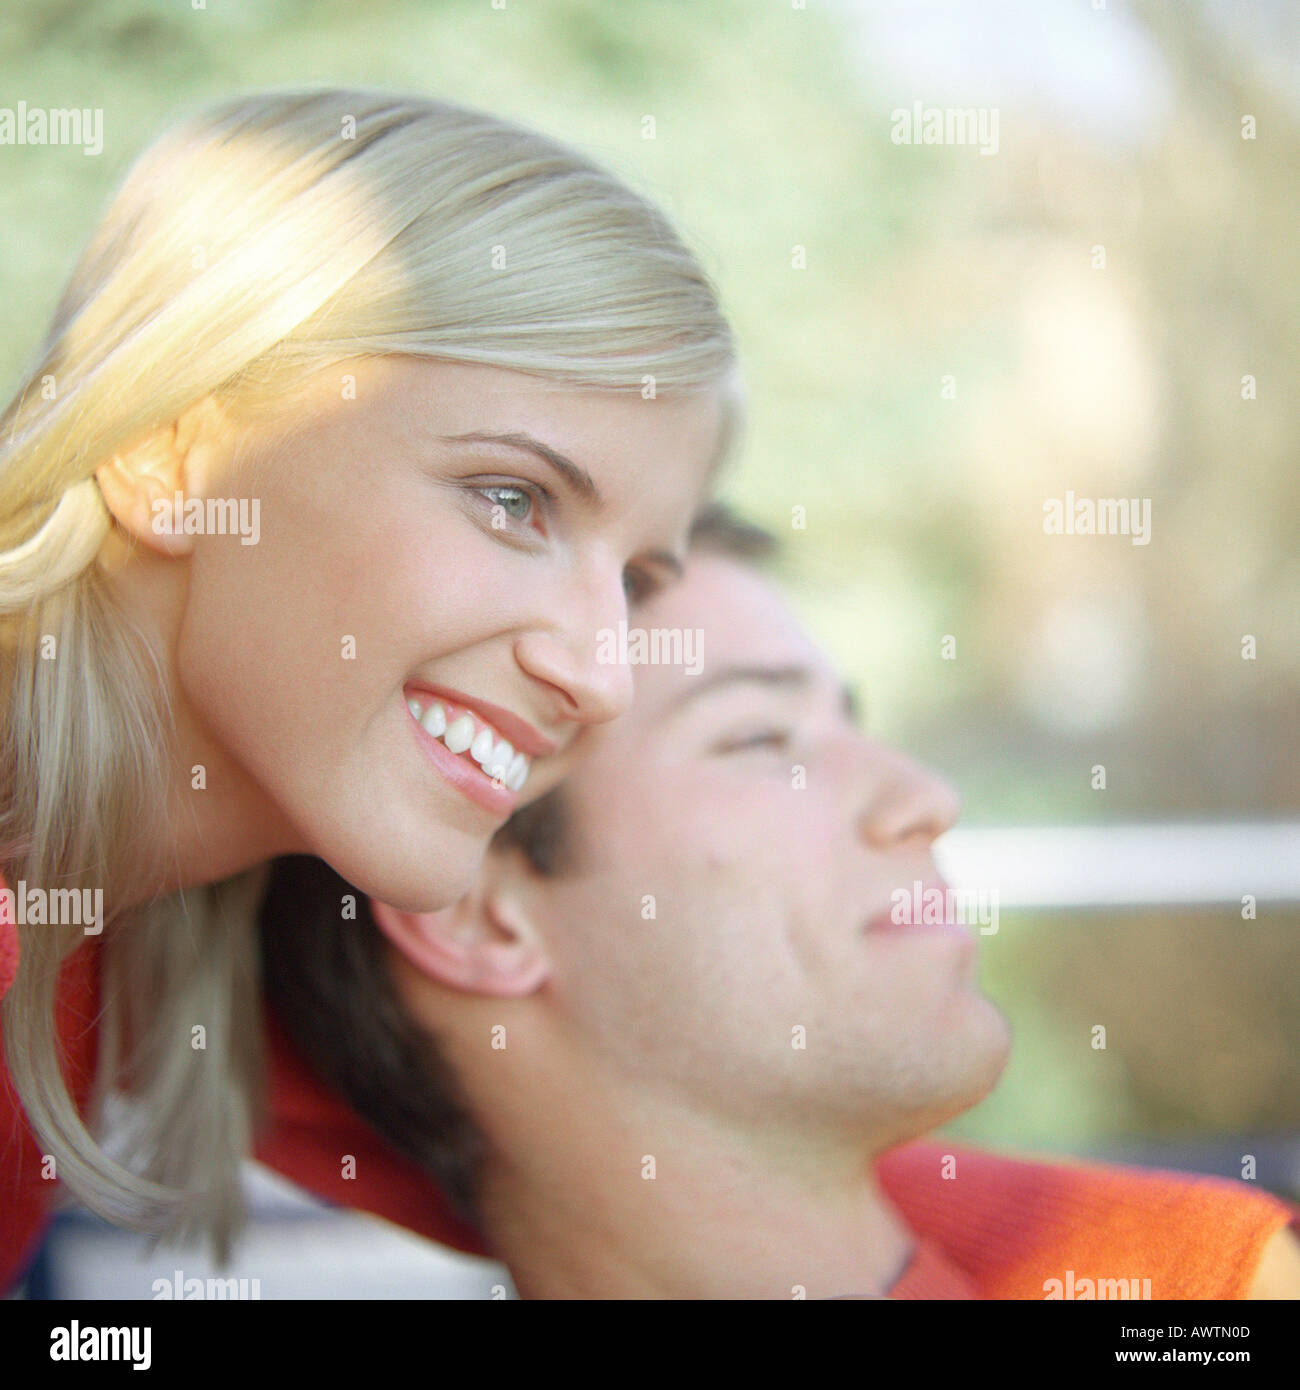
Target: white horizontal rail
point(1114, 865)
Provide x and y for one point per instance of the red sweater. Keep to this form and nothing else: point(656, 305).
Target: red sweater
point(998, 1227)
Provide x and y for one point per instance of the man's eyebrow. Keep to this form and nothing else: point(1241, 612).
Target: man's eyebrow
point(575, 476)
point(668, 560)
point(795, 677)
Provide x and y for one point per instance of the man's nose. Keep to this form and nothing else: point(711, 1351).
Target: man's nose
point(579, 653)
point(906, 806)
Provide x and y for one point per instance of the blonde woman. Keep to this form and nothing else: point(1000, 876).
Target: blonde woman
point(361, 419)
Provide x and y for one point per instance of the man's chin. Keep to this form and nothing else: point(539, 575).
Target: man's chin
point(959, 1080)
point(988, 1052)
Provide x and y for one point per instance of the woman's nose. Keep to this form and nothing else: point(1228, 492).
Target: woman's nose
point(580, 657)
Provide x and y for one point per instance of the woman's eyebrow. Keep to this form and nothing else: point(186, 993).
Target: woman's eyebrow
point(577, 478)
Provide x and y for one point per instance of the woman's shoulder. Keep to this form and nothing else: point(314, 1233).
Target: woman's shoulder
point(76, 1000)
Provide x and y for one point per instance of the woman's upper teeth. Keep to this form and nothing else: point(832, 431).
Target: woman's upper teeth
point(463, 734)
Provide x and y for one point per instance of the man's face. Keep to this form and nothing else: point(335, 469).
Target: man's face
point(737, 834)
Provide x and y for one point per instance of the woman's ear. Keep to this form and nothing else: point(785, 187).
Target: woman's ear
point(485, 944)
point(142, 485)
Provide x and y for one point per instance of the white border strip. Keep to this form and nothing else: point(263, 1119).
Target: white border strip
point(1109, 865)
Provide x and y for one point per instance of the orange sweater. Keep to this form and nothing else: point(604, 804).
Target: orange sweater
point(998, 1227)
point(1004, 1227)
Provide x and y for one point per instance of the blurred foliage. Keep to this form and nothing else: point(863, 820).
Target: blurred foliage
point(924, 514)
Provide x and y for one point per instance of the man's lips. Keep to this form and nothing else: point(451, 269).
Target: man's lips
point(518, 732)
point(911, 915)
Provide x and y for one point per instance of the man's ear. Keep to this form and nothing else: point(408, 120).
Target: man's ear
point(140, 484)
point(485, 944)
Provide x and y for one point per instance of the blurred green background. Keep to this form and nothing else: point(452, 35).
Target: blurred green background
point(1119, 128)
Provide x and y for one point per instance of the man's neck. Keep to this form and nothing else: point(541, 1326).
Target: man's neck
point(669, 1206)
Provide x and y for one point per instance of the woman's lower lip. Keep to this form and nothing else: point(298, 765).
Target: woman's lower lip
point(468, 779)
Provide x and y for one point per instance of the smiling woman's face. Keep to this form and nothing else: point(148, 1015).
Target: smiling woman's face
point(416, 584)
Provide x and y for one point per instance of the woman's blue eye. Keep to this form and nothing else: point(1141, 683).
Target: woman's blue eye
point(513, 502)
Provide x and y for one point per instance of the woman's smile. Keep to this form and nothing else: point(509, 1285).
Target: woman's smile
point(474, 755)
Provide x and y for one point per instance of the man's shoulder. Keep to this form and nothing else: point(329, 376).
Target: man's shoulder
point(1018, 1222)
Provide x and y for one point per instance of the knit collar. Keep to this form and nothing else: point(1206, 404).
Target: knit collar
point(930, 1274)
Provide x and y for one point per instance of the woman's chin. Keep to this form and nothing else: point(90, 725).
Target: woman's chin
point(415, 877)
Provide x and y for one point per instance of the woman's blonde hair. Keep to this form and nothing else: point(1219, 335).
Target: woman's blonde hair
point(248, 248)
